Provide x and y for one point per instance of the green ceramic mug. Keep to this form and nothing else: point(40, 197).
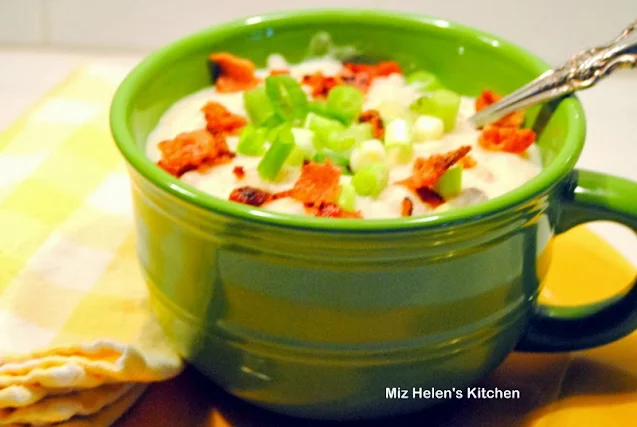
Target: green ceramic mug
point(318, 317)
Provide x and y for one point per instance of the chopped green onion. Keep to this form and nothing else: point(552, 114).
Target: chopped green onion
point(339, 141)
point(398, 142)
point(366, 153)
point(272, 133)
point(347, 197)
point(320, 44)
point(337, 159)
point(296, 157)
point(304, 146)
point(391, 110)
point(371, 180)
point(322, 127)
point(344, 140)
point(304, 139)
point(287, 97)
point(277, 154)
point(399, 153)
point(345, 103)
point(450, 183)
point(442, 103)
point(252, 141)
point(424, 80)
point(427, 128)
point(361, 131)
point(319, 107)
point(347, 54)
point(397, 132)
point(259, 107)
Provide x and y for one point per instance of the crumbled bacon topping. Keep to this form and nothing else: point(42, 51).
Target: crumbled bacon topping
point(486, 98)
point(220, 120)
point(239, 172)
point(333, 210)
point(505, 134)
point(236, 74)
point(511, 140)
point(382, 69)
point(426, 172)
point(250, 196)
point(468, 162)
point(406, 207)
point(360, 80)
point(320, 84)
point(373, 118)
point(356, 68)
point(279, 72)
point(386, 68)
point(317, 188)
point(193, 150)
point(430, 197)
point(358, 75)
point(319, 182)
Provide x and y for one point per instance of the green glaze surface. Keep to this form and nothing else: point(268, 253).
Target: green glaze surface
point(316, 317)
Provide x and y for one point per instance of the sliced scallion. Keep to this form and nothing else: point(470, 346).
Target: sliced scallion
point(277, 154)
point(287, 97)
point(371, 180)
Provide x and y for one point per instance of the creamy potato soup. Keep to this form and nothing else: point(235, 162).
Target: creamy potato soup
point(340, 139)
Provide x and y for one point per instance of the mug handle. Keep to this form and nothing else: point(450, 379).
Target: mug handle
point(588, 196)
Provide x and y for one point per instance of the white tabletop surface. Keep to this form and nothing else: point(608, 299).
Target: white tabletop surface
point(611, 110)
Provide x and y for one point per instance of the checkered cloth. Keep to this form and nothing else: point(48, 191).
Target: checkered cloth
point(77, 342)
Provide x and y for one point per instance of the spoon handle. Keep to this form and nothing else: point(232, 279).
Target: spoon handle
point(581, 71)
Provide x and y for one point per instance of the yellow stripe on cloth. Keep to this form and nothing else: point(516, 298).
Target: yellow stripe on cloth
point(77, 341)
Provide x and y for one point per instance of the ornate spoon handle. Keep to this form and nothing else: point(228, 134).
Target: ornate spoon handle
point(581, 71)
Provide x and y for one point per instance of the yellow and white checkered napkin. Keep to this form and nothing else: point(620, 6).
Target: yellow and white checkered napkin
point(77, 341)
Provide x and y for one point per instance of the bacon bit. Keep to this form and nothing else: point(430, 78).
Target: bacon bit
point(373, 118)
point(430, 197)
point(356, 67)
point(512, 120)
point(225, 84)
point(256, 197)
point(511, 140)
point(239, 172)
point(407, 207)
point(334, 210)
point(427, 171)
point(382, 69)
point(236, 74)
point(250, 196)
point(193, 150)
point(320, 84)
point(279, 72)
point(361, 81)
point(220, 120)
point(488, 97)
point(505, 134)
point(319, 182)
point(468, 162)
point(386, 68)
point(282, 195)
point(357, 75)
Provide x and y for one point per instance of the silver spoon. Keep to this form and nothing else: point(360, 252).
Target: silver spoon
point(580, 72)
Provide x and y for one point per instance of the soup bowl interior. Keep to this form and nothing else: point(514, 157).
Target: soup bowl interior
point(317, 317)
